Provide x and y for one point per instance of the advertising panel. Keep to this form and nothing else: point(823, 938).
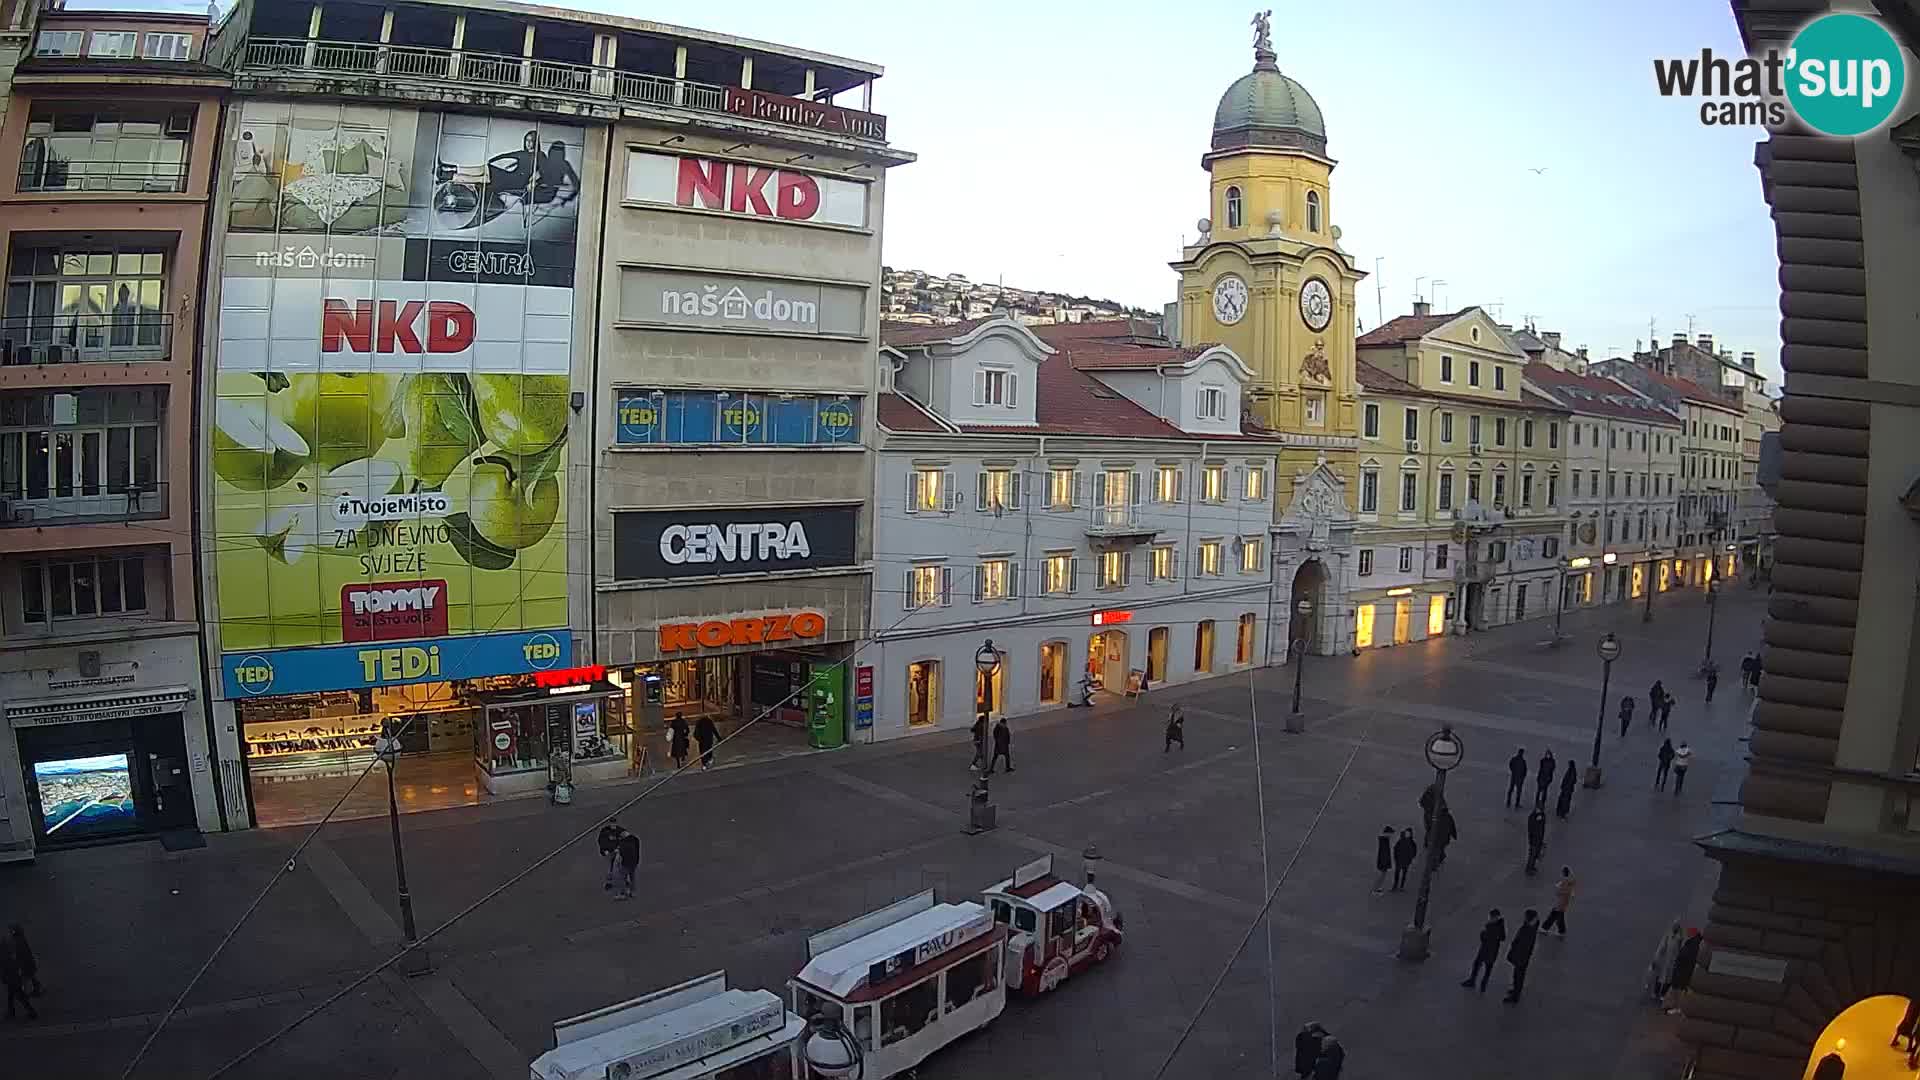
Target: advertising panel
point(703, 543)
point(748, 188)
point(734, 418)
point(389, 438)
point(676, 298)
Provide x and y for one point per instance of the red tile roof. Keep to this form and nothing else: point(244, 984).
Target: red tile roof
point(1143, 331)
point(1687, 388)
point(1539, 401)
point(906, 333)
point(1117, 356)
point(899, 413)
point(1375, 379)
point(1068, 401)
point(1405, 328)
point(1592, 394)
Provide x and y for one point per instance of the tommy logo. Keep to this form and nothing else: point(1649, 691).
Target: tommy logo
point(393, 610)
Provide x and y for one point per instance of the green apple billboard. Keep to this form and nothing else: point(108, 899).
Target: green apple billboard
point(389, 432)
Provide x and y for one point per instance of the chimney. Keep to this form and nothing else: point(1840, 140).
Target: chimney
point(1679, 340)
point(1552, 338)
point(1421, 308)
point(1581, 352)
point(1746, 360)
point(1706, 343)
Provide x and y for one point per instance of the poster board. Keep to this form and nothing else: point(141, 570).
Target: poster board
point(1135, 679)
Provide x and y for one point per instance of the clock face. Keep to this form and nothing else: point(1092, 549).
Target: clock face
point(1229, 300)
point(1316, 304)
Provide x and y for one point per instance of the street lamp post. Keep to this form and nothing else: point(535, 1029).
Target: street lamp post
point(1444, 752)
point(1713, 605)
point(1653, 575)
point(416, 961)
point(1297, 651)
point(982, 816)
point(987, 660)
point(1609, 649)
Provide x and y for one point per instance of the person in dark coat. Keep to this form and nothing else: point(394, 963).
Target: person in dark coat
point(1907, 1024)
point(1444, 832)
point(1565, 806)
point(1665, 759)
point(1516, 776)
point(629, 863)
point(1176, 729)
point(1655, 695)
point(1683, 965)
point(1404, 849)
point(1428, 800)
point(1333, 1058)
point(1543, 778)
point(980, 730)
point(1492, 933)
point(677, 742)
point(1626, 714)
point(1666, 710)
point(1382, 859)
point(23, 955)
point(1520, 953)
point(14, 982)
point(610, 849)
point(1306, 1049)
point(1002, 745)
point(706, 735)
point(1713, 680)
point(1831, 1067)
point(1536, 837)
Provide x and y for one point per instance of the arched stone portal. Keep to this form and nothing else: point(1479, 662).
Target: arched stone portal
point(1309, 584)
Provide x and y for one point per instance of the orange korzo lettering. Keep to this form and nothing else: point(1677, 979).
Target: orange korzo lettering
point(716, 633)
point(777, 627)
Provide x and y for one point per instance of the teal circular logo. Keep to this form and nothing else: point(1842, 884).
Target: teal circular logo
point(1845, 74)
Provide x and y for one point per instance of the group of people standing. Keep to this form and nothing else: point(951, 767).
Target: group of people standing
point(1002, 737)
point(1317, 1055)
point(1547, 768)
point(19, 972)
point(1671, 971)
point(1671, 760)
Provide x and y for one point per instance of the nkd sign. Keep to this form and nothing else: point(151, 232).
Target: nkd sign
point(746, 188)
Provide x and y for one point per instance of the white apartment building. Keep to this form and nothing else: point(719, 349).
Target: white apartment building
point(1092, 510)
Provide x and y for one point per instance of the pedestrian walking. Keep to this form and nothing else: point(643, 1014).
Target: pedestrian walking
point(1543, 777)
point(1713, 680)
point(1002, 745)
point(979, 742)
point(1565, 805)
point(1747, 663)
point(1655, 695)
point(1176, 728)
point(1444, 832)
point(706, 735)
point(1682, 761)
point(677, 742)
point(1404, 849)
point(1516, 776)
point(1626, 714)
point(1660, 971)
point(1333, 1058)
point(1306, 1048)
point(1493, 933)
point(1536, 837)
point(1520, 953)
point(1665, 757)
point(1666, 710)
point(610, 849)
point(23, 955)
point(1382, 859)
point(1429, 799)
point(1759, 669)
point(1684, 960)
point(1562, 899)
point(11, 978)
point(629, 849)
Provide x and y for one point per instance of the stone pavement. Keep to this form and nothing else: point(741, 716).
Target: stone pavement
point(741, 864)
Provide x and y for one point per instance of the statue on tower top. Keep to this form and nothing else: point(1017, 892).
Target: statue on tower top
point(1263, 31)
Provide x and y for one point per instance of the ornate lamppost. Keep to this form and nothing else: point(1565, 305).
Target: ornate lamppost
point(1609, 649)
point(1444, 752)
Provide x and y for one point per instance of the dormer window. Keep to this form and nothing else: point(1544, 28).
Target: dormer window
point(1213, 403)
point(996, 386)
point(1313, 211)
point(1234, 212)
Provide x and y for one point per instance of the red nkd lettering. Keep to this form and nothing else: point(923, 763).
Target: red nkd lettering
point(749, 194)
point(702, 184)
point(797, 197)
point(390, 326)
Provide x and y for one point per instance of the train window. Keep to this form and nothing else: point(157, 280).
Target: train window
point(1060, 920)
point(1002, 912)
point(809, 1005)
point(863, 1026)
point(1023, 919)
point(904, 1014)
point(969, 979)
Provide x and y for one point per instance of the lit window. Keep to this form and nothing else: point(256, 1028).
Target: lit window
point(1366, 561)
point(1063, 488)
point(1409, 492)
point(996, 579)
point(1115, 568)
point(928, 585)
point(1256, 483)
point(998, 489)
point(1213, 483)
point(1164, 564)
point(1207, 559)
point(996, 386)
point(1313, 211)
point(1370, 421)
point(1250, 561)
point(1059, 572)
point(928, 490)
point(167, 47)
point(1166, 484)
point(1234, 214)
point(1369, 491)
point(1213, 403)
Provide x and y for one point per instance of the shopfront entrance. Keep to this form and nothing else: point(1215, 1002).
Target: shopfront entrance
point(1107, 660)
point(1053, 672)
point(1157, 654)
point(106, 778)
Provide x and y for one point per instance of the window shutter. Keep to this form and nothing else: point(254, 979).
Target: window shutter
point(1013, 389)
point(1133, 488)
point(1079, 488)
point(1240, 479)
point(952, 498)
point(1099, 491)
point(979, 582)
point(1017, 481)
point(1173, 566)
point(1180, 484)
point(1073, 575)
point(906, 592)
point(946, 585)
point(979, 387)
point(1046, 490)
point(913, 491)
point(980, 489)
point(1013, 580)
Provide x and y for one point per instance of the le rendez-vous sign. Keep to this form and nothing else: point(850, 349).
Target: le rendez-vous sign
point(799, 112)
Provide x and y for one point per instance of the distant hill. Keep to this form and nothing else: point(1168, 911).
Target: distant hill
point(923, 297)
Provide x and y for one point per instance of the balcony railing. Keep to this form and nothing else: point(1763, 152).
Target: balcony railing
point(62, 175)
point(103, 337)
point(1116, 522)
point(422, 63)
point(83, 503)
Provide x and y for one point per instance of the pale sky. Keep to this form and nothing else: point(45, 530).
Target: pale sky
point(1060, 144)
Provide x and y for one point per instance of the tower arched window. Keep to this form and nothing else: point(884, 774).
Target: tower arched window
point(1234, 214)
point(1313, 211)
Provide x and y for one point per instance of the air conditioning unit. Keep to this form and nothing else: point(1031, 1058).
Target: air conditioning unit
point(1413, 446)
point(1474, 449)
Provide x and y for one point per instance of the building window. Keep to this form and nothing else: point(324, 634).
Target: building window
point(923, 693)
point(1526, 489)
point(1243, 640)
point(1207, 559)
point(1499, 431)
point(1593, 484)
point(1526, 434)
point(1446, 427)
point(998, 489)
point(1409, 491)
point(1235, 215)
point(1115, 569)
point(1612, 484)
point(929, 585)
point(1250, 560)
point(1203, 646)
point(1499, 489)
point(1166, 484)
point(1613, 439)
point(1316, 406)
point(1576, 433)
point(1440, 556)
point(1406, 559)
point(1369, 491)
point(1411, 424)
point(1446, 368)
point(1444, 499)
point(1213, 484)
point(1473, 373)
point(1370, 420)
point(1313, 211)
point(1473, 429)
point(1499, 377)
point(1553, 490)
point(1497, 551)
point(1213, 403)
point(1629, 485)
point(59, 43)
point(1473, 487)
point(1063, 489)
point(85, 303)
point(86, 587)
point(1256, 483)
point(996, 386)
point(60, 445)
point(167, 47)
point(1163, 564)
point(1366, 562)
point(996, 579)
point(113, 44)
point(1576, 478)
point(1553, 436)
point(929, 490)
point(1058, 574)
